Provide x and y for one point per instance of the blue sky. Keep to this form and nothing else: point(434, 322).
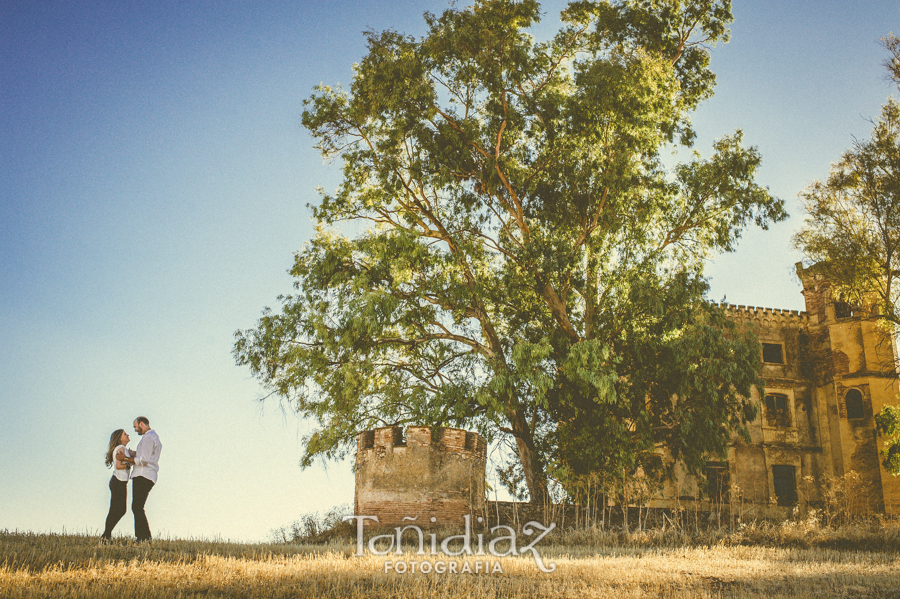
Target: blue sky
point(153, 187)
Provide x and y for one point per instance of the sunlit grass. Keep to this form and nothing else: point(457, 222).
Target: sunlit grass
point(33, 565)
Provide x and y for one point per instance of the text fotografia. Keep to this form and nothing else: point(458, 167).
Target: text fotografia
point(503, 546)
point(444, 567)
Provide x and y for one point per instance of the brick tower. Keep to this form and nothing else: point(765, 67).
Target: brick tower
point(426, 473)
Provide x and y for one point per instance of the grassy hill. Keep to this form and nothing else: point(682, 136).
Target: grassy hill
point(602, 565)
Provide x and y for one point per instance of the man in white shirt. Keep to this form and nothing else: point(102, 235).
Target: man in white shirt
point(143, 475)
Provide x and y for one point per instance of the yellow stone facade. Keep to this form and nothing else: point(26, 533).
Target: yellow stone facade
point(826, 373)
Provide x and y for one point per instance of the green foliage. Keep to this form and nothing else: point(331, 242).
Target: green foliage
point(852, 234)
point(852, 229)
point(681, 379)
point(887, 423)
point(528, 267)
point(892, 44)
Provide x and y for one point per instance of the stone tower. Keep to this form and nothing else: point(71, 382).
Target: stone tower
point(855, 377)
point(425, 473)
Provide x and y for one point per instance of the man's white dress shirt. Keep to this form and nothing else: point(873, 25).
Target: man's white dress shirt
point(146, 460)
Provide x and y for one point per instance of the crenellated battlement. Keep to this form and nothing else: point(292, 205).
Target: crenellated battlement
point(446, 440)
point(766, 316)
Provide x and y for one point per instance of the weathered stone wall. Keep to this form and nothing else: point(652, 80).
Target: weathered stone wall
point(422, 473)
point(855, 354)
point(825, 354)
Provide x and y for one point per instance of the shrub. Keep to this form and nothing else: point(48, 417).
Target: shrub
point(311, 527)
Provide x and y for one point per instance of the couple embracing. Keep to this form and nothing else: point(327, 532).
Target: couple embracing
point(140, 467)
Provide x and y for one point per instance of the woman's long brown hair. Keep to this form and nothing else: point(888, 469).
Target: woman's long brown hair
point(113, 443)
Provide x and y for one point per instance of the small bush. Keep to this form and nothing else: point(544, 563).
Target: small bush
point(312, 528)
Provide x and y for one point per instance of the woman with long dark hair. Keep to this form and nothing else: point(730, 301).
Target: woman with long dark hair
point(118, 484)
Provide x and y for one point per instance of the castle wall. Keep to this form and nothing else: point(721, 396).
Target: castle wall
point(792, 439)
point(420, 473)
point(820, 356)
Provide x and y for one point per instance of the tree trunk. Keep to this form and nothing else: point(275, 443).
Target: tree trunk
point(535, 478)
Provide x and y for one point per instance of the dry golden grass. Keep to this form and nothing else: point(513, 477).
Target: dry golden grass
point(34, 565)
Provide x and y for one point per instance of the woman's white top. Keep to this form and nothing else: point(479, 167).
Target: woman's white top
point(122, 475)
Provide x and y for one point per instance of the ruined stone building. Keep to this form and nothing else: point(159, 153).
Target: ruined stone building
point(827, 372)
point(434, 475)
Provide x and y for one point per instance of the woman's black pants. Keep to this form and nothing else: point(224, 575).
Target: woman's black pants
point(118, 504)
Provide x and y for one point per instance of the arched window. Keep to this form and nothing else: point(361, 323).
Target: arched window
point(854, 401)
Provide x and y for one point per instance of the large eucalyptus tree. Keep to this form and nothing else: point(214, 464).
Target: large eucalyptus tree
point(507, 250)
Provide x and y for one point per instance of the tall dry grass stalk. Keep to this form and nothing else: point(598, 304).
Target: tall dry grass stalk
point(33, 565)
point(874, 534)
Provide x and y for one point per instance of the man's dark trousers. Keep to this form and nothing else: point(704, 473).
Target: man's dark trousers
point(140, 488)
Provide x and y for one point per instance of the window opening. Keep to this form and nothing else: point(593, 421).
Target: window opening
point(773, 353)
point(854, 401)
point(717, 482)
point(399, 437)
point(785, 485)
point(842, 310)
point(777, 413)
